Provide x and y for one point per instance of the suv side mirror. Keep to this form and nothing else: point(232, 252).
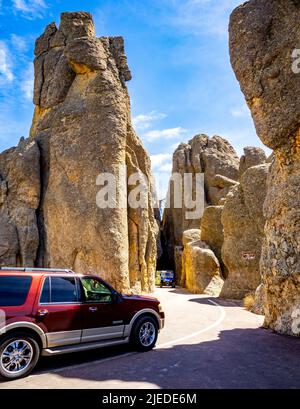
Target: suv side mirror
point(115, 296)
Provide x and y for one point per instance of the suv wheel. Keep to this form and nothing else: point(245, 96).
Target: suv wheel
point(144, 334)
point(19, 354)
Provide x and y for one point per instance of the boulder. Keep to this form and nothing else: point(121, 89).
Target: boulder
point(212, 232)
point(253, 156)
point(201, 268)
point(243, 224)
point(188, 236)
point(263, 37)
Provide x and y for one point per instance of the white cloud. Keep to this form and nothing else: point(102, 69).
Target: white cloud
point(239, 112)
point(19, 43)
point(167, 168)
point(169, 133)
point(159, 159)
point(6, 73)
point(23, 78)
point(30, 8)
point(203, 16)
point(162, 170)
point(27, 83)
point(144, 121)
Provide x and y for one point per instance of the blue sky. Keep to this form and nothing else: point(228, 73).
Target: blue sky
point(177, 51)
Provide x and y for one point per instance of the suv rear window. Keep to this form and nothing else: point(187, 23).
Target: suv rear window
point(14, 290)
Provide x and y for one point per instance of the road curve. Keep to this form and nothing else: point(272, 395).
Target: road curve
point(207, 343)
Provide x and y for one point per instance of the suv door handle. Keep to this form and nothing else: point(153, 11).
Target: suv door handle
point(93, 309)
point(42, 313)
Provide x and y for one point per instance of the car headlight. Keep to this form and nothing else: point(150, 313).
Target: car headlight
point(160, 308)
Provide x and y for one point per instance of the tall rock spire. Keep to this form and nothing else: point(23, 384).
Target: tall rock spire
point(264, 35)
point(82, 128)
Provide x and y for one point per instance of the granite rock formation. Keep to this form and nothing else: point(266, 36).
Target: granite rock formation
point(253, 156)
point(212, 232)
point(82, 128)
point(263, 37)
point(217, 160)
point(243, 223)
point(259, 300)
point(19, 200)
point(201, 268)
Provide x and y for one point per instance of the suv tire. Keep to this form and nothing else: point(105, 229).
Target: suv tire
point(23, 351)
point(144, 334)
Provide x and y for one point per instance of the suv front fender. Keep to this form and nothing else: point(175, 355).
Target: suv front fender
point(145, 311)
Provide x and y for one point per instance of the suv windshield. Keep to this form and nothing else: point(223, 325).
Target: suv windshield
point(168, 275)
point(14, 290)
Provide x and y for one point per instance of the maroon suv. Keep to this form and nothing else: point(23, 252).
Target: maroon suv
point(50, 312)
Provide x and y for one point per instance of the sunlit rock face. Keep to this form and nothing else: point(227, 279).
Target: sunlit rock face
point(81, 129)
point(263, 37)
point(200, 267)
point(253, 156)
point(243, 229)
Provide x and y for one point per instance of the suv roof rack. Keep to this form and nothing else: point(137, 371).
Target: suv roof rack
point(29, 269)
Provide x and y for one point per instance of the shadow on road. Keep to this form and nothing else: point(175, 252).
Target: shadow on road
point(221, 301)
point(204, 299)
point(238, 358)
point(48, 364)
point(178, 290)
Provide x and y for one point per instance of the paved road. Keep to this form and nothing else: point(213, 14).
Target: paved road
point(207, 343)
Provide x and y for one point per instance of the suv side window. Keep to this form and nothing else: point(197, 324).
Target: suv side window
point(59, 290)
point(14, 290)
point(95, 291)
point(63, 289)
point(45, 295)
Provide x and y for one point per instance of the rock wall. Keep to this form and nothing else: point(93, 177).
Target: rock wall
point(19, 199)
point(263, 36)
point(243, 223)
point(82, 128)
point(214, 157)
